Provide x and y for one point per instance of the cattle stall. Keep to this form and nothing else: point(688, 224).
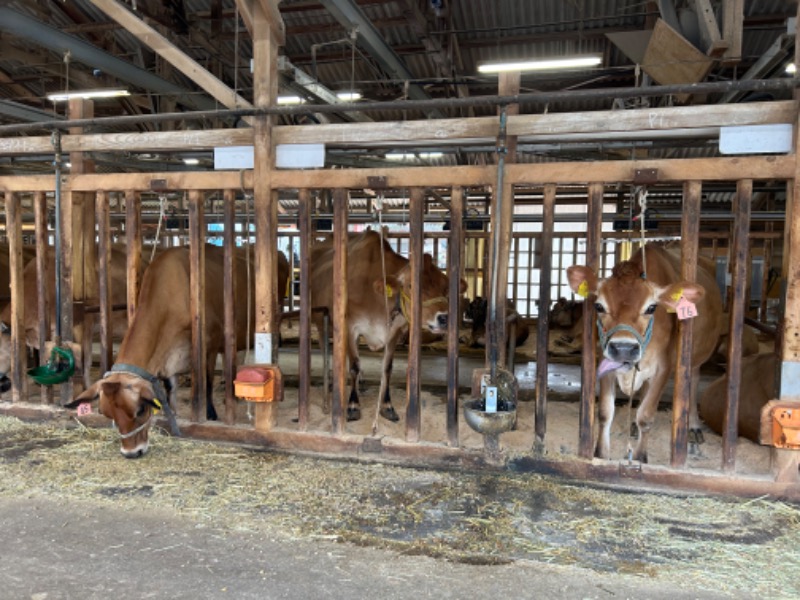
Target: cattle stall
point(273, 424)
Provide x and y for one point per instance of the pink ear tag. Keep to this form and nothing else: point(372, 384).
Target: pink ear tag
point(685, 309)
point(84, 409)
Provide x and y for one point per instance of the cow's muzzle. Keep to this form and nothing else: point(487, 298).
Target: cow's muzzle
point(624, 351)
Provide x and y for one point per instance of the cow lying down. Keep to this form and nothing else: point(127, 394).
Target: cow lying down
point(157, 345)
point(377, 307)
point(638, 334)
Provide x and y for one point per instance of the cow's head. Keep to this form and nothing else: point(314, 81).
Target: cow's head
point(129, 401)
point(629, 310)
point(434, 291)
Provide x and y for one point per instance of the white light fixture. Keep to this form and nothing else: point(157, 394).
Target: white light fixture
point(348, 96)
point(412, 156)
point(549, 64)
point(791, 69)
point(191, 161)
point(290, 100)
point(87, 95)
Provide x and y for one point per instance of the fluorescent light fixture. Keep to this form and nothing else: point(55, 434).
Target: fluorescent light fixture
point(791, 69)
point(290, 100)
point(548, 64)
point(348, 96)
point(87, 95)
point(191, 161)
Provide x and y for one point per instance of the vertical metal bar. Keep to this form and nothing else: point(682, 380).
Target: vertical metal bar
point(102, 216)
point(197, 303)
point(415, 255)
point(690, 233)
point(588, 358)
point(744, 195)
point(339, 317)
point(543, 332)
point(14, 236)
point(455, 248)
point(133, 240)
point(229, 295)
point(43, 276)
point(304, 350)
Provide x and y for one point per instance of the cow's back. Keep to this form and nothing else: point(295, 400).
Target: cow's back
point(664, 268)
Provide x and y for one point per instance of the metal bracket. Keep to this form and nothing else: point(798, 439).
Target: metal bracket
point(372, 445)
point(645, 176)
point(158, 185)
point(631, 469)
point(377, 182)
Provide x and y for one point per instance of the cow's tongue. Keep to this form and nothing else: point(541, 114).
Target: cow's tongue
point(607, 366)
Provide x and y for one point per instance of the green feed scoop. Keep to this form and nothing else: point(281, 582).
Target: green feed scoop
point(58, 369)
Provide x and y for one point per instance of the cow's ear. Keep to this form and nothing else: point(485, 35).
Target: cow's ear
point(672, 294)
point(462, 286)
point(4, 329)
point(90, 394)
point(582, 280)
point(388, 287)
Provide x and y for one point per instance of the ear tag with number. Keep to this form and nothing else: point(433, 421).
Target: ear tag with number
point(84, 409)
point(686, 309)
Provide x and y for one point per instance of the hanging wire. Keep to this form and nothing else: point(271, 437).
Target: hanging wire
point(162, 201)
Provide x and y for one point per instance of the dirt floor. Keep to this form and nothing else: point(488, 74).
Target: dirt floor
point(194, 520)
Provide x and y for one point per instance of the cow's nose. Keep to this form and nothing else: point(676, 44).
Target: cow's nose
point(135, 453)
point(623, 351)
point(441, 320)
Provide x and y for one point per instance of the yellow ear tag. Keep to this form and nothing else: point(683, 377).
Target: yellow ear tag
point(389, 291)
point(583, 289)
point(675, 297)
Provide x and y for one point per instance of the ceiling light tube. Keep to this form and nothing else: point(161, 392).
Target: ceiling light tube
point(283, 100)
point(548, 64)
point(791, 69)
point(348, 96)
point(87, 95)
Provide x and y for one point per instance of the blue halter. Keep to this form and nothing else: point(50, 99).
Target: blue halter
point(643, 341)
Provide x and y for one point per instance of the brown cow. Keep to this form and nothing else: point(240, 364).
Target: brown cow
point(757, 388)
point(30, 318)
point(377, 307)
point(638, 335)
point(158, 343)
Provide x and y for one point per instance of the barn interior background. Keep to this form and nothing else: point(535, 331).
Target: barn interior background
point(387, 104)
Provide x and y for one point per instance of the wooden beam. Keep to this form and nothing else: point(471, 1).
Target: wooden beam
point(197, 294)
point(18, 353)
point(229, 292)
point(339, 316)
point(245, 8)
point(709, 29)
point(455, 251)
point(103, 210)
point(171, 53)
point(543, 329)
point(273, 18)
point(478, 130)
point(732, 30)
point(415, 254)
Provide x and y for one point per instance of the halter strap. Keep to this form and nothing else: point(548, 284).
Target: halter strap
point(605, 336)
point(161, 400)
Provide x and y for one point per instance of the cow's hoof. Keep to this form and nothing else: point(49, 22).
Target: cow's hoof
point(5, 385)
point(389, 414)
point(696, 436)
point(353, 414)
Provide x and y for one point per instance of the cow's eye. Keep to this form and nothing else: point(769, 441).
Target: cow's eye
point(599, 307)
point(651, 309)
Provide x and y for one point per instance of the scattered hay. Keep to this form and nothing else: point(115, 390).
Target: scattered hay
point(695, 542)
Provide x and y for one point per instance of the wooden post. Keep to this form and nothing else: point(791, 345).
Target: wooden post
point(304, 351)
point(84, 250)
point(265, 89)
point(543, 327)
point(455, 249)
point(197, 287)
point(102, 211)
point(740, 255)
point(18, 354)
point(65, 260)
point(43, 275)
point(588, 358)
point(415, 255)
point(229, 293)
point(339, 316)
point(690, 232)
point(133, 241)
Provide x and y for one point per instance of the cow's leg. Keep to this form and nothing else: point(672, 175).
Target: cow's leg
point(695, 432)
point(605, 416)
point(384, 397)
point(646, 413)
point(211, 365)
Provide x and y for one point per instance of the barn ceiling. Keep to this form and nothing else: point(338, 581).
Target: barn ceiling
point(387, 51)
